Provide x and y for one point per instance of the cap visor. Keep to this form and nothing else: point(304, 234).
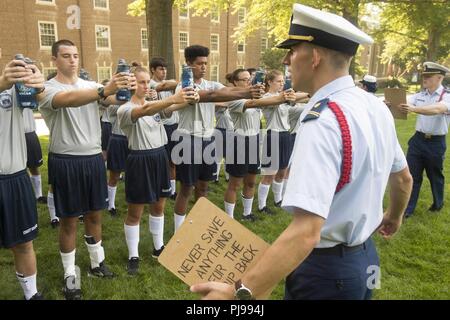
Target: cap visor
point(287, 44)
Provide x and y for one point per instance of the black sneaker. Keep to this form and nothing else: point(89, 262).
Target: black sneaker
point(174, 196)
point(54, 223)
point(81, 219)
point(278, 204)
point(72, 288)
point(101, 272)
point(37, 296)
point(251, 217)
point(407, 215)
point(157, 253)
point(42, 200)
point(266, 210)
point(113, 212)
point(434, 208)
point(133, 266)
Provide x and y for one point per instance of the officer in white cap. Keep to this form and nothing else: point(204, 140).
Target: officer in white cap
point(369, 83)
point(345, 153)
point(428, 145)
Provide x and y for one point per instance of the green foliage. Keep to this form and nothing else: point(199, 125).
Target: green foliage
point(272, 59)
point(136, 8)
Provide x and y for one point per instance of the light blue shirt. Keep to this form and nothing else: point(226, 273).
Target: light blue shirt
point(353, 214)
point(434, 125)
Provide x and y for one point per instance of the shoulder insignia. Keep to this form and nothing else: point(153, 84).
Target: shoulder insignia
point(314, 113)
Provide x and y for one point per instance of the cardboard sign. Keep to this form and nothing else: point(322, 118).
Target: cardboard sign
point(210, 246)
point(396, 97)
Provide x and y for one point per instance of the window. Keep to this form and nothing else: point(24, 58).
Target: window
point(47, 34)
point(241, 46)
point(101, 4)
point(241, 15)
point(144, 39)
point(183, 9)
point(215, 15)
point(214, 73)
point(239, 66)
point(48, 71)
point(214, 45)
point(102, 37)
point(103, 73)
point(184, 40)
point(264, 44)
point(46, 2)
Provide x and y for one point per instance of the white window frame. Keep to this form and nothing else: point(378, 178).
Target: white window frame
point(103, 68)
point(240, 43)
point(101, 8)
point(211, 68)
point(218, 42)
point(144, 48)
point(240, 10)
point(179, 40)
point(187, 13)
point(40, 35)
point(218, 16)
point(46, 3)
point(266, 45)
point(109, 38)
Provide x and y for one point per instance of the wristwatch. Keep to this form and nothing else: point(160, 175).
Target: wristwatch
point(242, 292)
point(101, 92)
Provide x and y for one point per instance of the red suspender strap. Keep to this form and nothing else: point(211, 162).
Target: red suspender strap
point(442, 95)
point(347, 159)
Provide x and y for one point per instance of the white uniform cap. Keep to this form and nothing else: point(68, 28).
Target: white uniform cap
point(324, 29)
point(434, 68)
point(369, 79)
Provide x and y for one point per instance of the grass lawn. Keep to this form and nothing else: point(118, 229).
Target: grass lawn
point(415, 264)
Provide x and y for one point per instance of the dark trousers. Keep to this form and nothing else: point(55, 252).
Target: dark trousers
point(342, 276)
point(426, 153)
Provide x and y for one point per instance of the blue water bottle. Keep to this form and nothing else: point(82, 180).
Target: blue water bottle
point(123, 94)
point(26, 96)
point(259, 77)
point(187, 77)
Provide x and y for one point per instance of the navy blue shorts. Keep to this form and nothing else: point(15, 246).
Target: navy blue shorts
point(344, 276)
point(18, 213)
point(292, 143)
point(276, 154)
point(196, 168)
point(117, 153)
point(147, 176)
point(170, 129)
point(245, 159)
point(79, 184)
point(106, 134)
point(225, 134)
point(34, 151)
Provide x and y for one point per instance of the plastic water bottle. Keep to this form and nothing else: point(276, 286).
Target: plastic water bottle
point(85, 75)
point(123, 94)
point(187, 77)
point(259, 77)
point(26, 96)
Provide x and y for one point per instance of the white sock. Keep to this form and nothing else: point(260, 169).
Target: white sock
point(284, 187)
point(277, 189)
point(227, 176)
point(112, 197)
point(51, 206)
point(173, 186)
point(157, 230)
point(229, 209)
point(178, 221)
point(68, 261)
point(96, 254)
point(263, 192)
point(132, 239)
point(219, 165)
point(37, 185)
point(28, 285)
point(248, 204)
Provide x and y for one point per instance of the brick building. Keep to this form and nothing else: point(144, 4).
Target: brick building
point(104, 33)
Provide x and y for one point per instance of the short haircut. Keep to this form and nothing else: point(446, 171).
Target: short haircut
point(158, 62)
point(234, 76)
point(60, 43)
point(191, 53)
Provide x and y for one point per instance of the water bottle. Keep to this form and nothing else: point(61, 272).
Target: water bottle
point(123, 94)
point(288, 84)
point(187, 77)
point(85, 75)
point(26, 96)
point(259, 77)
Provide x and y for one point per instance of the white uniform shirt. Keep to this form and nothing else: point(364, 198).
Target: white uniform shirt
point(29, 123)
point(246, 121)
point(146, 133)
point(13, 156)
point(277, 116)
point(434, 125)
point(294, 117)
point(353, 214)
point(112, 115)
point(174, 118)
point(104, 114)
point(198, 119)
point(223, 119)
point(73, 131)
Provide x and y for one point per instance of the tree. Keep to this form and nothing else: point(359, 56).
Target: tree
point(159, 26)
